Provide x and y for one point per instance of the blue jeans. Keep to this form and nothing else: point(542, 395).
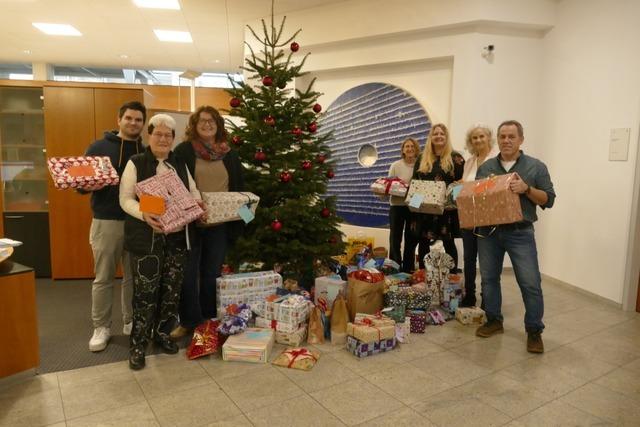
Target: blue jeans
point(198, 296)
point(518, 240)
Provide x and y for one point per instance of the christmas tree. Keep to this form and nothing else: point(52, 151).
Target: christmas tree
point(286, 163)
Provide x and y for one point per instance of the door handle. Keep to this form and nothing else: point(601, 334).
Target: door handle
point(14, 216)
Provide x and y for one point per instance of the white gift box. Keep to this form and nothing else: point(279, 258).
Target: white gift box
point(224, 206)
point(292, 309)
point(246, 288)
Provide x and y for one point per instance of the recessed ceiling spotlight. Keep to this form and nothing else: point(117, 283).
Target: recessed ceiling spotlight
point(216, 61)
point(27, 52)
point(158, 4)
point(123, 56)
point(173, 36)
point(57, 29)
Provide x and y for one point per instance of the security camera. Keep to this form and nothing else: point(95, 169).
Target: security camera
point(487, 51)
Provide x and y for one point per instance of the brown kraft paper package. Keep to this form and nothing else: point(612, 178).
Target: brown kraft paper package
point(488, 201)
point(364, 297)
point(339, 320)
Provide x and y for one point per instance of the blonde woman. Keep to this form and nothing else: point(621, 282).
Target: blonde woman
point(438, 162)
point(480, 143)
point(399, 214)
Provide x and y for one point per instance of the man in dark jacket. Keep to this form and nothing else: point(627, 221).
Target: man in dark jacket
point(107, 227)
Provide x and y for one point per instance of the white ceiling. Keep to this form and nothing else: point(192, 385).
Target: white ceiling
point(112, 28)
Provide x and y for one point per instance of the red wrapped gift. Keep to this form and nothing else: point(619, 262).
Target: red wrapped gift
point(180, 206)
point(371, 276)
point(488, 201)
point(417, 276)
point(206, 340)
point(82, 172)
point(390, 186)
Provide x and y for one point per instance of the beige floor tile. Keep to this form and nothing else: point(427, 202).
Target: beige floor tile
point(60, 424)
point(450, 367)
point(28, 385)
point(407, 383)
point(78, 377)
point(359, 402)
point(417, 347)
point(454, 410)
point(219, 369)
point(181, 374)
point(239, 421)
point(405, 417)
point(258, 389)
point(633, 366)
point(137, 414)
point(576, 362)
point(365, 365)
point(492, 353)
point(100, 395)
point(544, 377)
point(623, 381)
point(604, 403)
point(556, 337)
point(559, 414)
point(298, 411)
point(604, 346)
point(630, 328)
point(327, 347)
point(326, 373)
point(193, 407)
point(35, 403)
point(450, 335)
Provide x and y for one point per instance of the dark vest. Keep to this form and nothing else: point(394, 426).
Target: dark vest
point(138, 234)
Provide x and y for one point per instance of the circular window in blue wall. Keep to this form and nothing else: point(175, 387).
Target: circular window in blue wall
point(369, 123)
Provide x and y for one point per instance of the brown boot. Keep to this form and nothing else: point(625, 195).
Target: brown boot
point(534, 342)
point(492, 327)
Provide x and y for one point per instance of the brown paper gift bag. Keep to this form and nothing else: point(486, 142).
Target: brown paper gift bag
point(364, 297)
point(339, 320)
point(316, 328)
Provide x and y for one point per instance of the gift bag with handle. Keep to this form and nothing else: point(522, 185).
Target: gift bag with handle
point(339, 320)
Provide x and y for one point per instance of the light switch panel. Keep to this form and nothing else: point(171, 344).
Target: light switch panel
point(619, 144)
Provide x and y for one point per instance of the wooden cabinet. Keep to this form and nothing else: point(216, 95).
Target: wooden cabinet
point(74, 118)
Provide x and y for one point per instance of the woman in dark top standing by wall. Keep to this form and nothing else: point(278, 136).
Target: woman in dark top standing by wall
point(438, 162)
point(214, 168)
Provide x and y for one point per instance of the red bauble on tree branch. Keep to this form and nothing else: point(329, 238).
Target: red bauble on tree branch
point(236, 140)
point(321, 158)
point(267, 80)
point(276, 225)
point(235, 102)
point(260, 155)
point(317, 108)
point(306, 165)
point(313, 126)
point(285, 176)
point(325, 213)
point(330, 174)
point(296, 131)
point(294, 47)
point(270, 120)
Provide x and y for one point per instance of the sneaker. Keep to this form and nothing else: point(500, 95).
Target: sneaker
point(100, 338)
point(179, 332)
point(126, 329)
point(534, 342)
point(492, 327)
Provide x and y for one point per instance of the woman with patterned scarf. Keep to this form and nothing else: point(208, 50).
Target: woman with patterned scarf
point(215, 167)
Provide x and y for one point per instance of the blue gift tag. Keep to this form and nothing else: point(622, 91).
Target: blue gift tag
point(455, 191)
point(246, 214)
point(416, 200)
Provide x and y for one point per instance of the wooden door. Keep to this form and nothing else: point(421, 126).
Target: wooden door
point(69, 129)
point(107, 104)
point(638, 297)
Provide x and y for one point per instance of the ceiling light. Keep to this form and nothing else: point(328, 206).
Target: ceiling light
point(123, 56)
point(190, 74)
point(27, 52)
point(173, 36)
point(158, 4)
point(57, 29)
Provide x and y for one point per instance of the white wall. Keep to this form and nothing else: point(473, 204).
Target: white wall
point(568, 70)
point(591, 84)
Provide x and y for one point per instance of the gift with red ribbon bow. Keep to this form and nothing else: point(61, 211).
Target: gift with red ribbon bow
point(390, 186)
point(297, 358)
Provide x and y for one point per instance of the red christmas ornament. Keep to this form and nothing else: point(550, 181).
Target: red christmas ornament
point(296, 131)
point(313, 126)
point(317, 108)
point(267, 81)
point(270, 120)
point(320, 158)
point(330, 174)
point(236, 140)
point(260, 156)
point(325, 213)
point(306, 165)
point(235, 102)
point(276, 225)
point(294, 47)
point(285, 176)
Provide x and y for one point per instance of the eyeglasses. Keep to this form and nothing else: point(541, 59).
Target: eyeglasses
point(162, 135)
point(210, 122)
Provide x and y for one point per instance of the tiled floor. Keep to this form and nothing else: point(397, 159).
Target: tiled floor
point(590, 375)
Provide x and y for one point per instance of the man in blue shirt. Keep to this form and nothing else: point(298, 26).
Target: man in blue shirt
point(535, 188)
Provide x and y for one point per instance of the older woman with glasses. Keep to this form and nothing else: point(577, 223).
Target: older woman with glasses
point(215, 167)
point(157, 258)
point(480, 144)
